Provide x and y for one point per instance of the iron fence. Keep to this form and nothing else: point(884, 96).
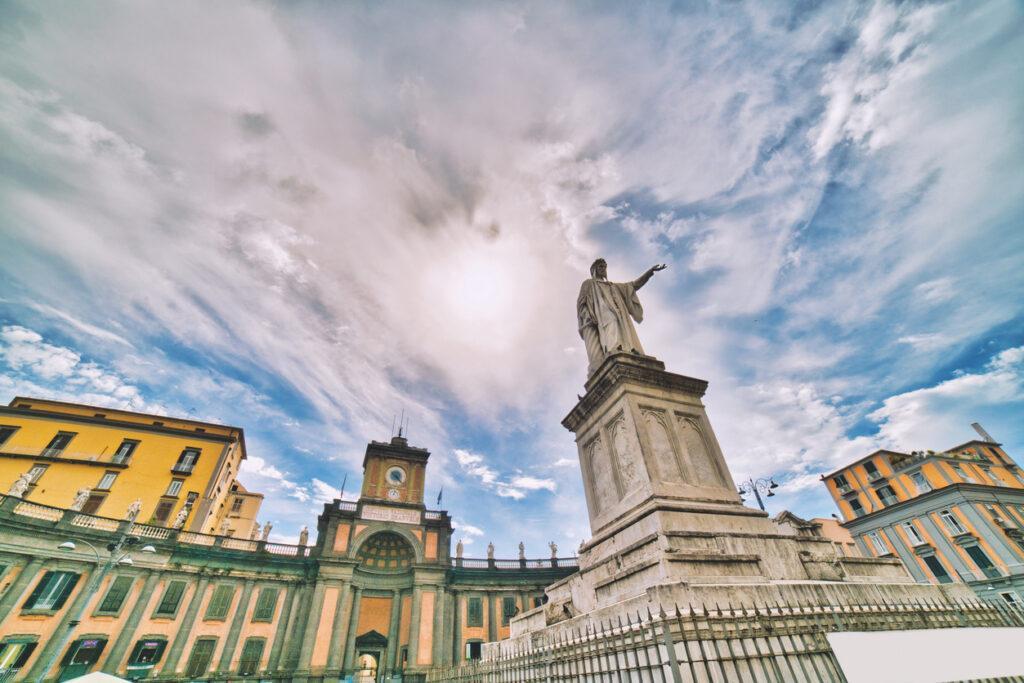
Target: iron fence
point(766, 643)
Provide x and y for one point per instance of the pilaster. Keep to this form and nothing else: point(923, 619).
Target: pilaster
point(237, 622)
point(29, 571)
point(185, 627)
point(353, 624)
point(280, 633)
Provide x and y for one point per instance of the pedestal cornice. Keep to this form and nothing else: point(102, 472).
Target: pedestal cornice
point(628, 367)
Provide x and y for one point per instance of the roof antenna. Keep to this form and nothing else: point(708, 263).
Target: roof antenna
point(401, 422)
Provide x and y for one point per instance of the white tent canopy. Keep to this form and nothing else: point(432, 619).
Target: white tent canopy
point(97, 677)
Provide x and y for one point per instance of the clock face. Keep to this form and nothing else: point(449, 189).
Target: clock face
point(393, 494)
point(395, 476)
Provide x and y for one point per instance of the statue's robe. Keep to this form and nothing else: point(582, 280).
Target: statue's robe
point(604, 311)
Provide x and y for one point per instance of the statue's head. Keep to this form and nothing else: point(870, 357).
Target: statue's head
point(599, 269)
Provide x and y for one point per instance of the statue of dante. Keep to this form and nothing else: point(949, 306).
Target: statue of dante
point(604, 309)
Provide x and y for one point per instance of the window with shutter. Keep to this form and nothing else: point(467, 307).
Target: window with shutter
point(162, 511)
point(52, 591)
point(168, 606)
point(116, 594)
point(474, 612)
point(14, 654)
point(508, 609)
point(252, 653)
point(266, 604)
point(220, 602)
point(199, 660)
point(6, 432)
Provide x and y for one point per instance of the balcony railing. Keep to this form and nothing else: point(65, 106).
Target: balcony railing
point(485, 563)
point(183, 468)
point(58, 454)
point(23, 512)
point(981, 574)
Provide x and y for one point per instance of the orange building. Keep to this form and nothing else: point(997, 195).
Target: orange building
point(952, 516)
point(379, 583)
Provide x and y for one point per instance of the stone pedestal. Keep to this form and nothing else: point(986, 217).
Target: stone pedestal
point(668, 524)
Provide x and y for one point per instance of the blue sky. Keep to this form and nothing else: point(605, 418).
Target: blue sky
point(306, 218)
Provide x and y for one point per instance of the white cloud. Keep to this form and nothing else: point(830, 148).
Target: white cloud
point(926, 342)
point(466, 529)
point(937, 417)
point(533, 483)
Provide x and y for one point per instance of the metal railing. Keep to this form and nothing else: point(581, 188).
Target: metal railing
point(57, 453)
point(761, 643)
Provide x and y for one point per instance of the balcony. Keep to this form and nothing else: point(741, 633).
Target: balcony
point(968, 576)
point(875, 476)
point(183, 468)
point(55, 454)
point(844, 489)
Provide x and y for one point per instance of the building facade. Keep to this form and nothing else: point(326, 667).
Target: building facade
point(954, 516)
point(111, 458)
point(379, 584)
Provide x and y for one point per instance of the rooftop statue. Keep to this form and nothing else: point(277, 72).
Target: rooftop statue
point(604, 309)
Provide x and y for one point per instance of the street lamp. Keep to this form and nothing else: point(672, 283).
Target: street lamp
point(118, 555)
point(757, 487)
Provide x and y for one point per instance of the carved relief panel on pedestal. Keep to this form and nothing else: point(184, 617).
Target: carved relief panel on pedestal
point(605, 491)
point(627, 453)
point(663, 451)
point(698, 455)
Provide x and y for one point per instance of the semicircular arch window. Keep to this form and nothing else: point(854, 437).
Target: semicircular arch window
point(384, 551)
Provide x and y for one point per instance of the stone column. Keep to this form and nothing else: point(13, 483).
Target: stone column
point(296, 630)
point(236, 627)
point(339, 628)
point(414, 625)
point(353, 624)
point(457, 627)
point(185, 628)
point(312, 626)
point(438, 640)
point(29, 571)
point(492, 626)
point(391, 658)
point(282, 628)
point(124, 637)
point(35, 673)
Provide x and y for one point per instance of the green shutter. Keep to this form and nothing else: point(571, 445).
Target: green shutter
point(252, 653)
point(34, 595)
point(199, 660)
point(172, 596)
point(266, 604)
point(116, 594)
point(220, 602)
point(508, 609)
point(66, 591)
point(474, 612)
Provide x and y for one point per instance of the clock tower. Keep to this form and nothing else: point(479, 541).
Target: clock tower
point(393, 472)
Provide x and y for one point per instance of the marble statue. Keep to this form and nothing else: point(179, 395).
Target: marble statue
point(20, 485)
point(266, 531)
point(80, 498)
point(603, 311)
point(554, 550)
point(522, 551)
point(458, 549)
point(490, 551)
point(179, 519)
point(304, 535)
point(255, 532)
point(133, 510)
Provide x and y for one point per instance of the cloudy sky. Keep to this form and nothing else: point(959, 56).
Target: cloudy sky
point(305, 218)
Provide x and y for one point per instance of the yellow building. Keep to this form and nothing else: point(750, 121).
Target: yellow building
point(101, 460)
point(952, 516)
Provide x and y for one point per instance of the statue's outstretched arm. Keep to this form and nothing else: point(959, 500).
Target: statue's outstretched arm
point(642, 280)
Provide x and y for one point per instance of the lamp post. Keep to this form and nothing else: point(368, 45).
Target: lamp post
point(757, 487)
point(118, 556)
